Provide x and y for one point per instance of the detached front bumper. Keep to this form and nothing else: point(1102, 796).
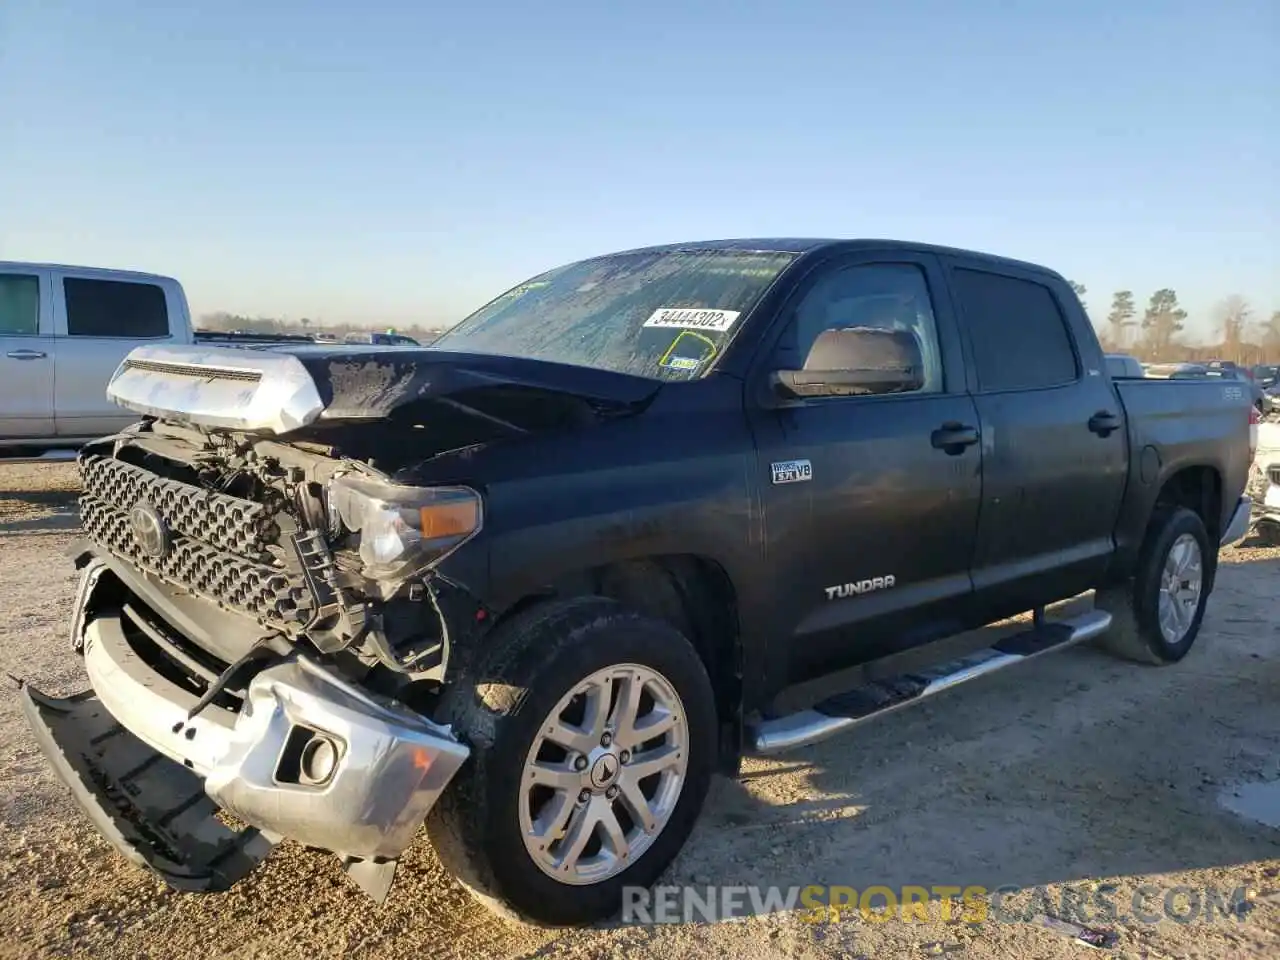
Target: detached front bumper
point(308, 757)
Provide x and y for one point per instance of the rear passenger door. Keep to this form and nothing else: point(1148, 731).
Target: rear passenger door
point(1053, 474)
point(26, 354)
point(98, 321)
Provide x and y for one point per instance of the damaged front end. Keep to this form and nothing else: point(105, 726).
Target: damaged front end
point(261, 614)
point(263, 639)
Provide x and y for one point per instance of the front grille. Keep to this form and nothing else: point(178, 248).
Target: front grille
point(217, 545)
point(239, 526)
point(1273, 474)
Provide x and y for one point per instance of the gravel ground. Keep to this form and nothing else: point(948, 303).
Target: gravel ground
point(1075, 770)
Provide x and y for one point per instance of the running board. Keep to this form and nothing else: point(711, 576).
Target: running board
point(839, 713)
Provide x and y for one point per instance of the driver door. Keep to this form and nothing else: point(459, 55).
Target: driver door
point(870, 517)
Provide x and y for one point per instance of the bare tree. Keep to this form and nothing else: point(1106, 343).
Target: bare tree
point(1271, 335)
point(1234, 314)
point(1162, 322)
point(1120, 320)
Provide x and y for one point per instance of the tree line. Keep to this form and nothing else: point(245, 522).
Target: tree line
point(223, 322)
point(1243, 336)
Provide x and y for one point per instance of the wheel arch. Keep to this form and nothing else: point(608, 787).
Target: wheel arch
point(1197, 487)
point(693, 593)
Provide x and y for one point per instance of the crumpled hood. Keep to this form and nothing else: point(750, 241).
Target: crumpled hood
point(280, 388)
point(357, 384)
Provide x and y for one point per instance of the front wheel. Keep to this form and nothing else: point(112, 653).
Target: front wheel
point(593, 738)
point(1156, 616)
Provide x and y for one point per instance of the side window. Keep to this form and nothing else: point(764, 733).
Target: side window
point(19, 305)
point(885, 296)
point(1019, 336)
point(115, 308)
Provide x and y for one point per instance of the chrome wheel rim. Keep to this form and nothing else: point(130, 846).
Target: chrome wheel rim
point(1181, 582)
point(604, 774)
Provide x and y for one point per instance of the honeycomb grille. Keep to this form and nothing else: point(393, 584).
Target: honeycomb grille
point(239, 526)
point(265, 592)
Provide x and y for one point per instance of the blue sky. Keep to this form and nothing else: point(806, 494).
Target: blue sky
point(393, 161)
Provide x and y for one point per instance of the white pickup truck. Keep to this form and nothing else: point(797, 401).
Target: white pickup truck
point(63, 332)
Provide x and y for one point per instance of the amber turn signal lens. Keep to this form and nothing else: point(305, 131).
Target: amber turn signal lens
point(455, 519)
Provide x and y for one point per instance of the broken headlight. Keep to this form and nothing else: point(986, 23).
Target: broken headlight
point(402, 529)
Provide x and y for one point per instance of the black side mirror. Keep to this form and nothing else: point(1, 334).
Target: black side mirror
point(856, 361)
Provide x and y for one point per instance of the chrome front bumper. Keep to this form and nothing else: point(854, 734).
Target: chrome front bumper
point(113, 746)
point(1238, 527)
point(391, 764)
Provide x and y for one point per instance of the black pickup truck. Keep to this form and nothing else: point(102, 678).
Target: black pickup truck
point(633, 519)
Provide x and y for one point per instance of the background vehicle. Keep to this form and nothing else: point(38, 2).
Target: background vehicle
point(1176, 371)
point(1266, 374)
point(1122, 366)
point(537, 582)
point(63, 332)
point(387, 339)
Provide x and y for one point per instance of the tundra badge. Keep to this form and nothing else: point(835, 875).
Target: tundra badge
point(842, 590)
point(792, 471)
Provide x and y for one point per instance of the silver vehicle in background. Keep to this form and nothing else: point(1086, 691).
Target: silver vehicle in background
point(64, 331)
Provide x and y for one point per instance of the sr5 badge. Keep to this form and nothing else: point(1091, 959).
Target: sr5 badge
point(792, 471)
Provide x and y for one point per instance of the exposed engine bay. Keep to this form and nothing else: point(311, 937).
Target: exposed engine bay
point(297, 543)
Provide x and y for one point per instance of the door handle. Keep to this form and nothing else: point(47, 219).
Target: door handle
point(954, 437)
point(25, 355)
point(1104, 422)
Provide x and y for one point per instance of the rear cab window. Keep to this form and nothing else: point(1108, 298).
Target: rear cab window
point(115, 308)
point(1017, 331)
point(19, 305)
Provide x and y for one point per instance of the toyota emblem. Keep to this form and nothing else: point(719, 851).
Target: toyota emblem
point(149, 529)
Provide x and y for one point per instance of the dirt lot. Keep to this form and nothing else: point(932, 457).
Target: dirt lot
point(1071, 771)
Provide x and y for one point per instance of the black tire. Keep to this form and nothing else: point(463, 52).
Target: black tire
point(1135, 632)
point(536, 658)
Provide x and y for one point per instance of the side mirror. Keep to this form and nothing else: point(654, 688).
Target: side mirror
point(856, 361)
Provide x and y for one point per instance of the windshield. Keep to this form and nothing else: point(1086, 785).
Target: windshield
point(664, 314)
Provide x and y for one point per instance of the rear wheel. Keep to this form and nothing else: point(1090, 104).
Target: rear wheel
point(1156, 616)
point(593, 737)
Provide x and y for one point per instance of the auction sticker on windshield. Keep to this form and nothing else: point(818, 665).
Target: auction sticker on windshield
point(692, 318)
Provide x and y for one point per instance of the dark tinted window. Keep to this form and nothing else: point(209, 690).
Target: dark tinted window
point(1019, 336)
point(115, 308)
point(19, 304)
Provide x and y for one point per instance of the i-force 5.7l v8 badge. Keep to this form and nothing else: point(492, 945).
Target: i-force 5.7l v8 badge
point(792, 471)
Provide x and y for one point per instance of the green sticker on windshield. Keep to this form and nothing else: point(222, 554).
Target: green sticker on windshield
point(688, 351)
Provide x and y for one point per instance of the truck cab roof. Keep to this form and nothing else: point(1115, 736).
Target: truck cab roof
point(828, 245)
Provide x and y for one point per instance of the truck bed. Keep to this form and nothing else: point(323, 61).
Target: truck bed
point(1172, 423)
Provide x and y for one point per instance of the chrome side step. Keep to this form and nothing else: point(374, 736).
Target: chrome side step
point(859, 705)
